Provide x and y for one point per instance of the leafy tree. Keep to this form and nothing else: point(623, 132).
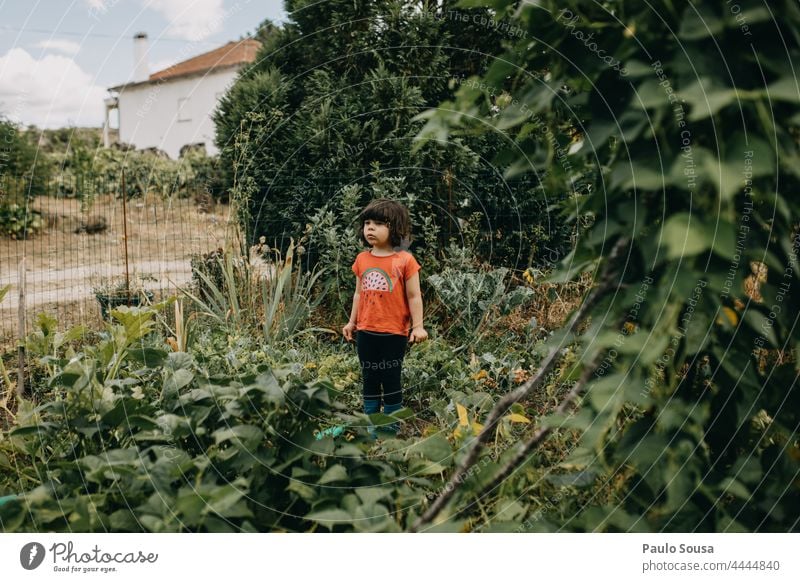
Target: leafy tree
point(331, 101)
point(22, 169)
point(687, 376)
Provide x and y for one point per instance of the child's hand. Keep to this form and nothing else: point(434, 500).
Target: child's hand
point(418, 334)
point(348, 330)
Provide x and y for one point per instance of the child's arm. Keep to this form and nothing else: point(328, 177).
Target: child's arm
point(414, 295)
point(348, 329)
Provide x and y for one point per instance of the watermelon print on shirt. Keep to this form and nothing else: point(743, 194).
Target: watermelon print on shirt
point(383, 305)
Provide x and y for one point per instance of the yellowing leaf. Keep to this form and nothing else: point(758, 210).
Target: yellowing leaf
point(733, 317)
point(516, 417)
point(462, 415)
point(475, 426)
point(480, 375)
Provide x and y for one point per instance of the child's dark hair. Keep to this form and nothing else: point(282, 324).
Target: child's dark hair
point(394, 214)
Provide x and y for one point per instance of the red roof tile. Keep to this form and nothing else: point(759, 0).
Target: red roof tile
point(233, 53)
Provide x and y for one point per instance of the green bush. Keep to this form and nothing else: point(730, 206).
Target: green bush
point(139, 438)
point(472, 297)
point(23, 171)
point(309, 121)
point(18, 221)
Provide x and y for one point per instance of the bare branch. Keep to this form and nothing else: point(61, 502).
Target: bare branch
point(505, 403)
point(538, 437)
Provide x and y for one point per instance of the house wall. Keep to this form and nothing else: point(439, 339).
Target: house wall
point(171, 113)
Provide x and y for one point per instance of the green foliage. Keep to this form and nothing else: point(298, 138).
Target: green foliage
point(472, 297)
point(272, 296)
point(137, 438)
point(693, 420)
point(18, 221)
point(22, 169)
point(309, 121)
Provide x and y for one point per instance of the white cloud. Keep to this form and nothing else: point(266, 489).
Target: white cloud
point(190, 19)
point(97, 4)
point(68, 47)
point(49, 92)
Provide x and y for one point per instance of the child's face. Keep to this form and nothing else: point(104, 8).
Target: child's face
point(376, 233)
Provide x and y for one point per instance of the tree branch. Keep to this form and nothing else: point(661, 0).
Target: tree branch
point(538, 437)
point(505, 403)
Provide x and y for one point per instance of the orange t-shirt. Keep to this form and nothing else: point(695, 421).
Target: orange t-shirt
point(382, 305)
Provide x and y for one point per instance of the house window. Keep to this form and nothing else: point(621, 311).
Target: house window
point(183, 109)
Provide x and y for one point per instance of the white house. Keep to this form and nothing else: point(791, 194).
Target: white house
point(172, 108)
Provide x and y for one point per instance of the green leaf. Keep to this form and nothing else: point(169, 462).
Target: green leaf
point(734, 487)
point(150, 357)
point(706, 99)
point(371, 495)
point(762, 325)
point(403, 414)
point(434, 448)
point(784, 89)
point(226, 501)
point(698, 333)
point(424, 467)
point(640, 174)
point(269, 385)
point(700, 21)
point(42, 427)
point(303, 490)
point(577, 479)
point(330, 517)
point(581, 420)
point(177, 380)
point(684, 235)
point(333, 474)
point(606, 395)
point(248, 435)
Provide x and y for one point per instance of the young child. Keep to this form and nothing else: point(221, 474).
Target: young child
point(387, 304)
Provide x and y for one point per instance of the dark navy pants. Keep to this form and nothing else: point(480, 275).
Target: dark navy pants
point(381, 357)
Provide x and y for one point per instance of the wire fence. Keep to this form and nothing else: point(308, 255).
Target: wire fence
point(77, 246)
point(74, 247)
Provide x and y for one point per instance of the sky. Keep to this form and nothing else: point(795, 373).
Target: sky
point(58, 57)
